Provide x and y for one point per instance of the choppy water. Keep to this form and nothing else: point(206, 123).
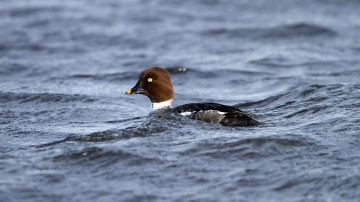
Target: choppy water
point(69, 133)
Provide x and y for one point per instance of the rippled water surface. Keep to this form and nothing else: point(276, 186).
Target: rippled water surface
point(69, 133)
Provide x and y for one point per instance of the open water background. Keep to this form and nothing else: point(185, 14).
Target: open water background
point(69, 133)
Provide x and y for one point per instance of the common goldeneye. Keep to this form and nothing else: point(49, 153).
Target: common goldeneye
point(155, 83)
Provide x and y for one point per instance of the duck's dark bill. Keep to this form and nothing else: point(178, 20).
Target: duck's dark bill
point(136, 90)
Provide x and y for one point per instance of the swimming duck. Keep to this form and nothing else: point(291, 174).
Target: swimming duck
point(155, 83)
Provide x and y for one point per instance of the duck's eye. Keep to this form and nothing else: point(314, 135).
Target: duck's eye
point(149, 80)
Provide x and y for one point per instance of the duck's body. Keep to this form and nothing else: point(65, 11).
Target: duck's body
point(155, 83)
point(215, 113)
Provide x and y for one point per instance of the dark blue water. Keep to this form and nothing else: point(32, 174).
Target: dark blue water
point(69, 133)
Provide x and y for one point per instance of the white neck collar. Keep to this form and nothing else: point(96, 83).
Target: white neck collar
point(161, 105)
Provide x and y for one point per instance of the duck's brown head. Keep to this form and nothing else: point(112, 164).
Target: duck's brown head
point(155, 83)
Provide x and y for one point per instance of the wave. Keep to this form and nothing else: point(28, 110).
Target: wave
point(252, 147)
point(310, 107)
point(43, 97)
point(283, 31)
point(153, 124)
point(103, 157)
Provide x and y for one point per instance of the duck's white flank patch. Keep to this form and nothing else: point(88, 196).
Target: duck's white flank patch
point(186, 113)
point(210, 116)
point(161, 105)
point(205, 111)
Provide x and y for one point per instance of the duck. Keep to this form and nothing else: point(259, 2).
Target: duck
point(155, 83)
